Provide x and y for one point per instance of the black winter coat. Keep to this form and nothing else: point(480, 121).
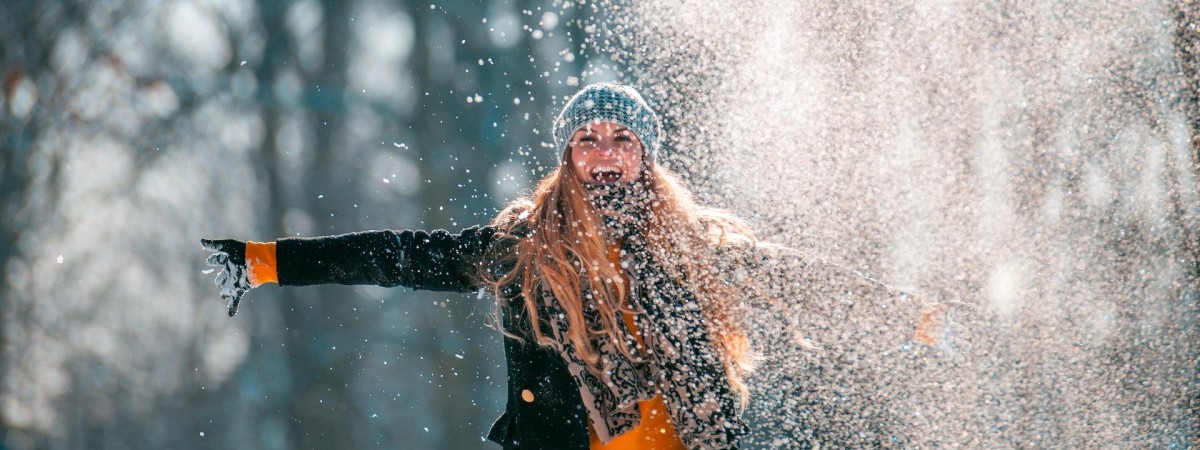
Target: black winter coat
point(441, 261)
point(555, 418)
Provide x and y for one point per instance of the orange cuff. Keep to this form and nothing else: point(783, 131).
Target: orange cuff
point(260, 263)
point(929, 328)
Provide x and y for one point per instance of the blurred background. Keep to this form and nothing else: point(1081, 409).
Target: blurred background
point(1037, 162)
point(131, 129)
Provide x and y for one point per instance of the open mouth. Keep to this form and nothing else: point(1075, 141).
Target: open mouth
point(606, 174)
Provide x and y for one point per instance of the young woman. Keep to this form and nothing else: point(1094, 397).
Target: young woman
point(616, 292)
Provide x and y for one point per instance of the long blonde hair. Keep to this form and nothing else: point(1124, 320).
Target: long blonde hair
point(565, 252)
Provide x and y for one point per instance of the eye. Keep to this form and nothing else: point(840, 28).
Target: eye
point(624, 138)
point(587, 138)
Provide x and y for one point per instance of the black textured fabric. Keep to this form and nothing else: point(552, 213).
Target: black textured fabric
point(623, 207)
point(435, 260)
point(439, 260)
point(556, 417)
point(234, 279)
point(692, 376)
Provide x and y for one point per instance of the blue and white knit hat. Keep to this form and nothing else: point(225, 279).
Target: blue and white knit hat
point(608, 102)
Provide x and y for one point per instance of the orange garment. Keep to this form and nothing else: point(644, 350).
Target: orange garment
point(655, 431)
point(260, 263)
point(929, 328)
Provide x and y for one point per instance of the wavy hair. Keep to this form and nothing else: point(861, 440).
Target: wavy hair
point(564, 251)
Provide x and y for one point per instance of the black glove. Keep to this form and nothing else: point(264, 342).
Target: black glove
point(230, 256)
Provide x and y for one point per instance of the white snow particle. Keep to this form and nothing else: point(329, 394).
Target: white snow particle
point(549, 20)
point(60, 259)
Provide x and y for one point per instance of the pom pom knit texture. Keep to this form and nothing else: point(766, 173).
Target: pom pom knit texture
point(608, 102)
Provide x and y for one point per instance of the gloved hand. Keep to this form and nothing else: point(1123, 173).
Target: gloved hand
point(234, 281)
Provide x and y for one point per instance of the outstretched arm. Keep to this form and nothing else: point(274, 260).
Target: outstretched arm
point(846, 299)
point(417, 259)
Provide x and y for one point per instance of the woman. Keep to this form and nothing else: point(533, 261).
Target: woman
point(613, 289)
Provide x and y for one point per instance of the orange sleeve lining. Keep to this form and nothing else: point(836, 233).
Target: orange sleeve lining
point(929, 328)
point(260, 263)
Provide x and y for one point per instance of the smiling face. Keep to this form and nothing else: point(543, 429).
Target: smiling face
point(606, 153)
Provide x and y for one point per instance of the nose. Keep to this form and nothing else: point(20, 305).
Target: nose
point(606, 146)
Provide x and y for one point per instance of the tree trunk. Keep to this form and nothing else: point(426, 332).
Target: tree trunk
point(22, 57)
point(444, 157)
point(321, 408)
point(278, 53)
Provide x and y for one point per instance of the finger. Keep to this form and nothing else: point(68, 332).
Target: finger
point(234, 300)
point(209, 244)
point(228, 290)
point(222, 245)
point(239, 274)
point(223, 279)
point(217, 259)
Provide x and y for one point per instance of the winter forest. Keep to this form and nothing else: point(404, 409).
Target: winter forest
point(1033, 165)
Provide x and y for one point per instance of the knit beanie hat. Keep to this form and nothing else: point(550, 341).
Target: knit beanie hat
point(608, 102)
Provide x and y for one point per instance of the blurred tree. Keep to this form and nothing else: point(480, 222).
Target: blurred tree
point(95, 344)
point(451, 126)
point(18, 52)
point(131, 128)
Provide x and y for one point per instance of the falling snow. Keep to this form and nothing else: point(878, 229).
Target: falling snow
point(1024, 175)
point(1012, 163)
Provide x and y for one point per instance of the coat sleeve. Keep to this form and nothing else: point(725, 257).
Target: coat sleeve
point(832, 297)
point(436, 260)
